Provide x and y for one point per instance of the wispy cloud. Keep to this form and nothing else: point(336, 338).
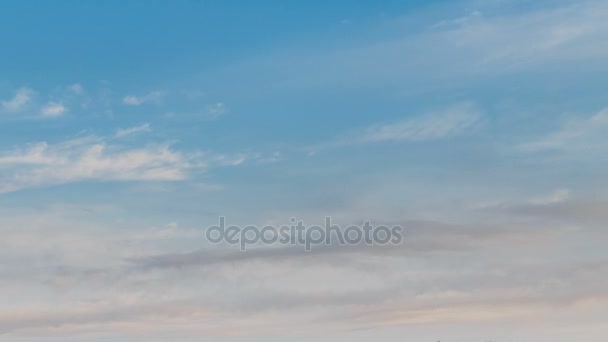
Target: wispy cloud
point(453, 50)
point(575, 134)
point(76, 89)
point(152, 97)
point(216, 110)
point(93, 158)
point(436, 125)
point(143, 128)
point(22, 98)
point(209, 112)
point(53, 109)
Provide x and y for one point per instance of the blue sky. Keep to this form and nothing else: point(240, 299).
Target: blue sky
point(128, 127)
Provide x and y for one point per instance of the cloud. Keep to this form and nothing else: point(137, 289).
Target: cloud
point(143, 128)
point(76, 88)
point(487, 272)
point(360, 286)
point(216, 110)
point(423, 238)
point(442, 124)
point(434, 126)
point(102, 159)
point(22, 98)
point(210, 112)
point(577, 134)
point(74, 319)
point(53, 109)
point(132, 100)
point(231, 160)
point(558, 196)
point(154, 97)
point(493, 41)
point(91, 158)
point(561, 207)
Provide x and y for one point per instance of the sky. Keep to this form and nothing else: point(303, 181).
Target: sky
point(129, 127)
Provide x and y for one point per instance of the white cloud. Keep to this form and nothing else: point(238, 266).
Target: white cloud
point(100, 159)
point(143, 128)
point(132, 100)
point(22, 98)
point(53, 109)
point(91, 158)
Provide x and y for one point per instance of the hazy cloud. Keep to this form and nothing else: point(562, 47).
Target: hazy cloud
point(152, 97)
point(576, 134)
point(22, 98)
point(76, 88)
point(437, 125)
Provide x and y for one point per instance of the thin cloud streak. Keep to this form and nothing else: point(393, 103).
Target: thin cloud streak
point(443, 124)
